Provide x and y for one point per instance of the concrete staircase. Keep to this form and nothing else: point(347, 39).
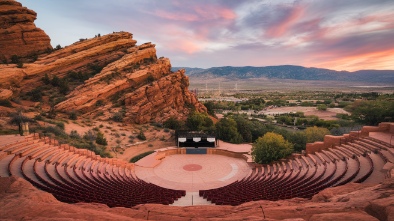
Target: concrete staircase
point(191, 199)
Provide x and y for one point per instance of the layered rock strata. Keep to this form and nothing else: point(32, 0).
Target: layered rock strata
point(145, 84)
point(18, 33)
point(119, 71)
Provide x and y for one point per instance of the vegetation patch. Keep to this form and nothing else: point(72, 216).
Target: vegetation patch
point(271, 147)
point(140, 156)
point(5, 103)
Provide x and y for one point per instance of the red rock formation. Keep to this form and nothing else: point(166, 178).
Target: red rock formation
point(19, 35)
point(151, 92)
point(123, 71)
point(168, 96)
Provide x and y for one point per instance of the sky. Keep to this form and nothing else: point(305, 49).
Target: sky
point(335, 34)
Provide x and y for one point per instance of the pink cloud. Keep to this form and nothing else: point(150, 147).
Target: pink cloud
point(197, 13)
point(210, 12)
point(369, 60)
point(280, 28)
point(177, 16)
point(183, 45)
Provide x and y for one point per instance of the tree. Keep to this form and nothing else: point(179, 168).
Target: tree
point(298, 139)
point(63, 86)
point(100, 139)
point(15, 59)
point(46, 79)
point(226, 130)
point(210, 108)
point(117, 117)
point(141, 135)
point(35, 95)
point(322, 107)
point(19, 65)
point(199, 122)
point(372, 112)
point(270, 147)
point(73, 115)
point(55, 81)
point(314, 134)
point(90, 135)
point(172, 123)
point(244, 128)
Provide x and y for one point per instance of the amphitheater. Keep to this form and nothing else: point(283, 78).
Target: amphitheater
point(220, 177)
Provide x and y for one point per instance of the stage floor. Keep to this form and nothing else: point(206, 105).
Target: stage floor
point(195, 172)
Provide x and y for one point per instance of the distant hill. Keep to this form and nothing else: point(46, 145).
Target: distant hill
point(291, 72)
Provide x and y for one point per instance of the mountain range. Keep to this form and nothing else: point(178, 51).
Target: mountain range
point(291, 72)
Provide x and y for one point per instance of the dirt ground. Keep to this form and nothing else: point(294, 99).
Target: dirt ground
point(329, 114)
point(123, 137)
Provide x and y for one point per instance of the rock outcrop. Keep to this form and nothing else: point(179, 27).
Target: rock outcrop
point(18, 33)
point(20, 200)
point(145, 84)
point(168, 96)
point(114, 70)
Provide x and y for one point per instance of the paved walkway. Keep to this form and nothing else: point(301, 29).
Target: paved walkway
point(194, 172)
point(383, 136)
point(192, 199)
point(238, 148)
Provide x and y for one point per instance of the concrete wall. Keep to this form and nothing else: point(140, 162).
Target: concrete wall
point(162, 154)
point(226, 153)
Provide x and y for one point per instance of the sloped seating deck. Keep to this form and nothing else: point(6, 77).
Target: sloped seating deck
point(75, 175)
point(357, 161)
point(72, 176)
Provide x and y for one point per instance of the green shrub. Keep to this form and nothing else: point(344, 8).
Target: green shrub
point(117, 117)
point(100, 139)
point(173, 124)
point(56, 131)
point(140, 156)
point(99, 103)
point(46, 79)
point(63, 86)
point(5, 103)
point(35, 95)
point(17, 118)
point(141, 135)
point(322, 107)
point(90, 135)
point(55, 81)
point(38, 117)
point(314, 134)
point(60, 125)
point(270, 147)
point(15, 59)
point(150, 79)
point(74, 135)
point(73, 115)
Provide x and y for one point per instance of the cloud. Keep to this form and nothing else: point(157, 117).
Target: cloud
point(287, 16)
point(332, 34)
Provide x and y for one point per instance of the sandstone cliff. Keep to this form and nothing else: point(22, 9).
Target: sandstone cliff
point(352, 202)
point(110, 69)
point(18, 33)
